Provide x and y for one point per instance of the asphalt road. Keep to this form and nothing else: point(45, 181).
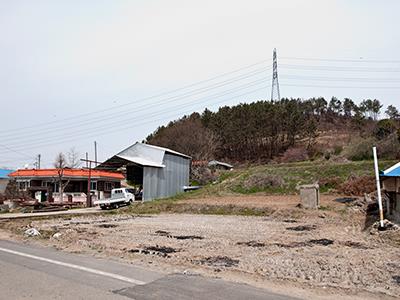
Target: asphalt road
point(28, 272)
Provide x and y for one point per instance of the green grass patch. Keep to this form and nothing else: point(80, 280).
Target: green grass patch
point(294, 174)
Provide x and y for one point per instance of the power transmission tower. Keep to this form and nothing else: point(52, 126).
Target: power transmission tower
point(275, 82)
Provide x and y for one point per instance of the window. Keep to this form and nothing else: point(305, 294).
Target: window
point(108, 186)
point(23, 185)
point(93, 185)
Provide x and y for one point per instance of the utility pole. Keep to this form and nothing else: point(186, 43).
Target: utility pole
point(87, 159)
point(39, 156)
point(95, 153)
point(378, 187)
point(275, 81)
point(89, 183)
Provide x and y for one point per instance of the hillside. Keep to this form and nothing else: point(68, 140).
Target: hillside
point(345, 178)
point(285, 131)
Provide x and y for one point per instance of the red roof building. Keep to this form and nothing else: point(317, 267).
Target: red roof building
point(44, 184)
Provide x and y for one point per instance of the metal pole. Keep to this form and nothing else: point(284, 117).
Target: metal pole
point(378, 186)
point(39, 156)
point(87, 159)
point(89, 198)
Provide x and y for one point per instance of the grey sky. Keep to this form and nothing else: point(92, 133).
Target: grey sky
point(62, 59)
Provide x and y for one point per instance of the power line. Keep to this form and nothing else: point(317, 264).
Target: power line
point(161, 102)
point(343, 87)
point(360, 60)
point(140, 100)
point(338, 68)
point(322, 78)
point(16, 151)
point(118, 123)
point(175, 115)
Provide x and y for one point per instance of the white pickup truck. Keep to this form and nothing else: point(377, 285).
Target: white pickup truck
point(121, 196)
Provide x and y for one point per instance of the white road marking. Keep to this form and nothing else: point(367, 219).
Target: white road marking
point(72, 266)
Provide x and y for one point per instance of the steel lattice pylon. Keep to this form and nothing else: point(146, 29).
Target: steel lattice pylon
point(275, 82)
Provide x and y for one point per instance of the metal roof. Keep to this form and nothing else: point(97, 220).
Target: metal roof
point(219, 163)
point(147, 155)
point(393, 171)
point(4, 173)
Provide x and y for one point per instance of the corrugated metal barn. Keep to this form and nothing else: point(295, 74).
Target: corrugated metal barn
point(160, 171)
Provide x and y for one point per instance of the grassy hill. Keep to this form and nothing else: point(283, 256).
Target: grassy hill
point(284, 178)
point(345, 178)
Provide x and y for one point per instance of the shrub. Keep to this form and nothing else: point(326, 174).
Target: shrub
point(203, 175)
point(295, 154)
point(389, 148)
point(337, 150)
point(263, 181)
point(360, 150)
point(384, 128)
point(330, 182)
point(358, 185)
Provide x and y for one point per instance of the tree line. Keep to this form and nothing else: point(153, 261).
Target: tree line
point(262, 130)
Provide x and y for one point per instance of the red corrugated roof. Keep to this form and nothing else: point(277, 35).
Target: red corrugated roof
point(67, 173)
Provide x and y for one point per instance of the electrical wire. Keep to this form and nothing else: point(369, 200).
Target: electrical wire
point(118, 121)
point(322, 78)
point(337, 68)
point(108, 109)
point(139, 108)
point(175, 115)
point(342, 87)
point(360, 60)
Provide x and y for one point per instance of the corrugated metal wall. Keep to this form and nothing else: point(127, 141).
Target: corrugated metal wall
point(168, 181)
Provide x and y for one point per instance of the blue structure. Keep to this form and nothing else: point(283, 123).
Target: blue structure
point(393, 171)
point(4, 179)
point(390, 179)
point(4, 173)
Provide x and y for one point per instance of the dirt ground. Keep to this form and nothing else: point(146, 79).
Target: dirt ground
point(318, 254)
point(262, 201)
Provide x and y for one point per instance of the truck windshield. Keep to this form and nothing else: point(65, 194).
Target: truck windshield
point(132, 191)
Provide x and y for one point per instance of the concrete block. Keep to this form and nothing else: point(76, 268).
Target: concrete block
point(309, 195)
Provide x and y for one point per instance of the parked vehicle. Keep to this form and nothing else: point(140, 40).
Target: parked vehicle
point(119, 197)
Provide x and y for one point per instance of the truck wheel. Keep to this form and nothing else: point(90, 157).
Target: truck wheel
point(103, 207)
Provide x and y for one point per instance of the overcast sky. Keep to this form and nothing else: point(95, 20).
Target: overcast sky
point(72, 72)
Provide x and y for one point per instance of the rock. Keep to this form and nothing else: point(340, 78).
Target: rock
point(4, 208)
point(57, 235)
point(32, 232)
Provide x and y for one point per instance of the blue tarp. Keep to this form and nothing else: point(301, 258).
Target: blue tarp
point(4, 173)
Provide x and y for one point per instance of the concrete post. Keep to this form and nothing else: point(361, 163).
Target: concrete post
point(309, 195)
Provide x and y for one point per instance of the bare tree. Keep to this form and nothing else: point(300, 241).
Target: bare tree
point(61, 164)
point(73, 158)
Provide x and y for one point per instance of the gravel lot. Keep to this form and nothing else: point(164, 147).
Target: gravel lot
point(312, 249)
